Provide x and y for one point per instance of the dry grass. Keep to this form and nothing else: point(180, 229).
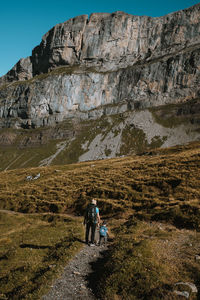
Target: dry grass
point(154, 196)
point(162, 185)
point(147, 260)
point(33, 250)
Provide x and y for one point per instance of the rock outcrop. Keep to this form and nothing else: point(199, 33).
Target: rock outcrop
point(20, 72)
point(112, 41)
point(109, 63)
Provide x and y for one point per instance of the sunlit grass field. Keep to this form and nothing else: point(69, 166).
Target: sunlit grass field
point(33, 248)
point(151, 202)
point(160, 185)
point(147, 260)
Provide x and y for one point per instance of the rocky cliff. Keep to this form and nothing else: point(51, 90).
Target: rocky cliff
point(107, 59)
point(110, 64)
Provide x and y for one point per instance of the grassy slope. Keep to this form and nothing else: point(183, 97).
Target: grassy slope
point(162, 185)
point(137, 192)
point(34, 249)
point(146, 261)
point(27, 148)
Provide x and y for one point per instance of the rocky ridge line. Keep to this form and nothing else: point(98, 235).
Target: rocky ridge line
point(109, 41)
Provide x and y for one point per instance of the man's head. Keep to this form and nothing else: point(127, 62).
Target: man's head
point(94, 202)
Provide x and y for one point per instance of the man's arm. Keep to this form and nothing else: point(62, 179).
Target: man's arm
point(98, 218)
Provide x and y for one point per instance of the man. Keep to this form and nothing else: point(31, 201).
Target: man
point(91, 220)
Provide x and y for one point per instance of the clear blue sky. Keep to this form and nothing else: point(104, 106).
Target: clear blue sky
point(24, 22)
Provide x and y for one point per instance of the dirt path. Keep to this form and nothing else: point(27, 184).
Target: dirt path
point(77, 281)
point(47, 161)
point(79, 276)
point(12, 212)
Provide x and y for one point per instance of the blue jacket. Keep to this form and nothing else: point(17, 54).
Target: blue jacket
point(103, 230)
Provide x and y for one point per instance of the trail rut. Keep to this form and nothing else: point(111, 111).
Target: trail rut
point(77, 279)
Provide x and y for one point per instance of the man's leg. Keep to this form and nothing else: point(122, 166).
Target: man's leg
point(87, 233)
point(93, 228)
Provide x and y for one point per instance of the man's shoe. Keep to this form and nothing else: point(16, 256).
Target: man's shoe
point(92, 245)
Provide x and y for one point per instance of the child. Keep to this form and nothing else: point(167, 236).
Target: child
point(103, 234)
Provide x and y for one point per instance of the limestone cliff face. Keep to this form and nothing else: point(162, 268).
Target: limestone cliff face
point(106, 64)
point(20, 72)
point(118, 40)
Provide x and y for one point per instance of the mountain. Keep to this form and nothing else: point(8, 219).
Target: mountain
point(104, 86)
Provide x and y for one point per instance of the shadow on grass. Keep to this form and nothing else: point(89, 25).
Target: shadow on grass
point(97, 270)
point(35, 246)
point(3, 257)
point(79, 240)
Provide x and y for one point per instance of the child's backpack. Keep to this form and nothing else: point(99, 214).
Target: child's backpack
point(91, 214)
point(103, 231)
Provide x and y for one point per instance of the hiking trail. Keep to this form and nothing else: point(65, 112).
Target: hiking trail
point(77, 280)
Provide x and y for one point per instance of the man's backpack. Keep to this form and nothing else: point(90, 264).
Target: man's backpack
point(91, 215)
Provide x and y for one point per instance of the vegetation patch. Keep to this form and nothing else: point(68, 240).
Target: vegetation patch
point(134, 139)
point(63, 70)
point(33, 251)
point(160, 185)
point(144, 262)
point(155, 198)
point(173, 115)
point(85, 135)
point(13, 157)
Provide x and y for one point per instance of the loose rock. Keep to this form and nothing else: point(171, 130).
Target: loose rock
point(73, 284)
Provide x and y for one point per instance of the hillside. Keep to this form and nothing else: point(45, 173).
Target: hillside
point(139, 182)
point(121, 134)
point(151, 203)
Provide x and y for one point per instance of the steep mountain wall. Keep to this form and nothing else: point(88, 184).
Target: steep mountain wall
point(112, 41)
point(116, 62)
